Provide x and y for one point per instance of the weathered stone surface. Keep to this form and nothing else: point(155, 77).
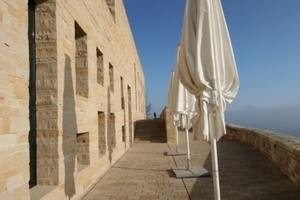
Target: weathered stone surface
point(282, 150)
point(73, 84)
point(170, 127)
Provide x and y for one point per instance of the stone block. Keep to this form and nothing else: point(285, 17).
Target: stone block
point(1, 14)
point(21, 192)
point(3, 183)
point(47, 172)
point(5, 125)
point(49, 134)
point(47, 147)
point(15, 181)
point(22, 138)
point(47, 23)
point(46, 98)
point(5, 162)
point(20, 158)
point(12, 4)
point(7, 140)
point(3, 151)
point(6, 195)
point(47, 181)
point(19, 125)
point(21, 91)
point(45, 36)
point(45, 124)
point(6, 89)
point(17, 79)
point(9, 173)
point(2, 99)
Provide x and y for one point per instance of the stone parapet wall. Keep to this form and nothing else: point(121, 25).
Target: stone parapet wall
point(170, 127)
point(282, 150)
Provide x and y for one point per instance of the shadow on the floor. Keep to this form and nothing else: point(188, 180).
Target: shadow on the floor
point(244, 173)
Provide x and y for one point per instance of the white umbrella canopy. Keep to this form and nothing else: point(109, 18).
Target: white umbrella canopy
point(207, 65)
point(182, 101)
point(208, 70)
point(177, 102)
point(175, 116)
point(170, 97)
point(170, 89)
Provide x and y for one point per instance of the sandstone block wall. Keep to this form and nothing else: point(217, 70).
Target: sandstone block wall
point(282, 150)
point(90, 89)
point(14, 100)
point(169, 121)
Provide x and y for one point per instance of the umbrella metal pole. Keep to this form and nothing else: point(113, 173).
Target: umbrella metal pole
point(214, 158)
point(176, 133)
point(189, 167)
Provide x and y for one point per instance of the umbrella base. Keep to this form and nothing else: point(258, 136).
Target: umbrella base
point(176, 153)
point(194, 172)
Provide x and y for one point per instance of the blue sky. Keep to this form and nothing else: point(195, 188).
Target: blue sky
point(265, 37)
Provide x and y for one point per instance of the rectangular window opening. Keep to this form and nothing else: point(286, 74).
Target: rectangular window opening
point(122, 94)
point(83, 153)
point(100, 67)
point(81, 62)
point(111, 7)
point(123, 134)
point(112, 131)
point(101, 134)
point(111, 78)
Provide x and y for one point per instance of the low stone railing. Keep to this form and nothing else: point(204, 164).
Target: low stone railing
point(282, 150)
point(170, 127)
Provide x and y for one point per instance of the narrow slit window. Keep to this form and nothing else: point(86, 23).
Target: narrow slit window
point(81, 62)
point(100, 67)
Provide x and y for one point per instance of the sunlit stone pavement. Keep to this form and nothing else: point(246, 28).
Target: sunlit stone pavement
point(144, 172)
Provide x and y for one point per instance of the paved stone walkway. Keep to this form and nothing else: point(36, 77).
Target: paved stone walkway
point(144, 172)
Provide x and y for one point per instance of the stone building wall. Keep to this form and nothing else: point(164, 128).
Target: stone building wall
point(14, 100)
point(89, 92)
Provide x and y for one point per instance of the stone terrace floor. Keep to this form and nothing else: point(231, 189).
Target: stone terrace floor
point(144, 172)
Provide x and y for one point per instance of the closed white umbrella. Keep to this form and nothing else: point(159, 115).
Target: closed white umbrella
point(208, 71)
point(176, 117)
point(170, 89)
point(170, 98)
point(183, 103)
point(175, 106)
point(178, 104)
